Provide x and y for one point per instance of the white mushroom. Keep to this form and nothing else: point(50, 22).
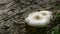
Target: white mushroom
point(39, 19)
point(47, 14)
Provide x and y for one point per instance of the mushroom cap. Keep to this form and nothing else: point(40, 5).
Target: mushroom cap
point(47, 14)
point(38, 19)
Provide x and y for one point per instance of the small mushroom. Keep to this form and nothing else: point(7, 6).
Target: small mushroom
point(39, 19)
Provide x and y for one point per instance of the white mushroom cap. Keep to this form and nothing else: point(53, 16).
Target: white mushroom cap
point(47, 14)
point(37, 19)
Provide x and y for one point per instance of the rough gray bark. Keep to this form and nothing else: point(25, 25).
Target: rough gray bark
point(13, 13)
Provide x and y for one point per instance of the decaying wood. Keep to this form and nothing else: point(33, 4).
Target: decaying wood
point(13, 13)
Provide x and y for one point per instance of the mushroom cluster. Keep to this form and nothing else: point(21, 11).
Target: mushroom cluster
point(39, 19)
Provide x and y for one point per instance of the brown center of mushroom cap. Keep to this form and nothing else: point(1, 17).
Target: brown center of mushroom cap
point(44, 14)
point(37, 17)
